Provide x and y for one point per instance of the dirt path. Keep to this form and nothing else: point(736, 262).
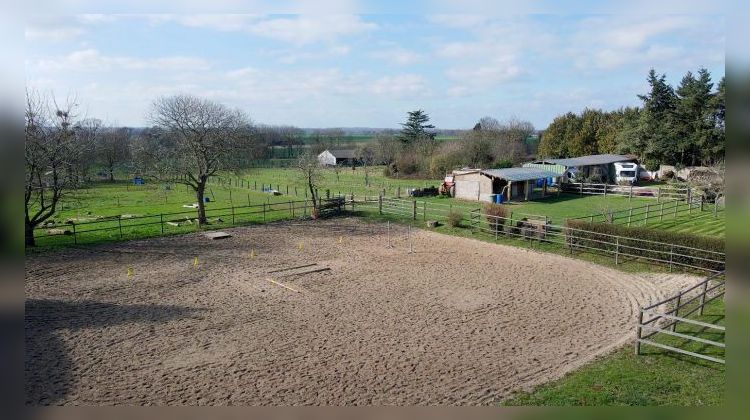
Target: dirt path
point(457, 322)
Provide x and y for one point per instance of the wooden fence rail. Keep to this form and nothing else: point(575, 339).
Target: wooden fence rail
point(653, 321)
point(642, 215)
point(665, 192)
point(235, 215)
point(538, 228)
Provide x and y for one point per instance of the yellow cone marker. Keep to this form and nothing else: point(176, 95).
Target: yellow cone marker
point(195, 262)
point(301, 245)
point(130, 272)
point(253, 254)
point(341, 239)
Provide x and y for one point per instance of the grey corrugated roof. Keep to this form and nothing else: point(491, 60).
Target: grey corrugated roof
point(588, 160)
point(343, 153)
point(519, 174)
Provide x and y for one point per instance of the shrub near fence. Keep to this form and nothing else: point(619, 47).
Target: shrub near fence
point(673, 248)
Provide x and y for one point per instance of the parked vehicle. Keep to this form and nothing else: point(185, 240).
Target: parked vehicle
point(626, 172)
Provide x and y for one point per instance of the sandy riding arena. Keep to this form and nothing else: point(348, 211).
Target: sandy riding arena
point(321, 313)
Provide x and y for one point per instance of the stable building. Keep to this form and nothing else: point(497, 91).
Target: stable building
point(599, 167)
point(336, 157)
point(502, 185)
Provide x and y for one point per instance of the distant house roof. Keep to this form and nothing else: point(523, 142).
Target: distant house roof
point(588, 160)
point(343, 153)
point(519, 174)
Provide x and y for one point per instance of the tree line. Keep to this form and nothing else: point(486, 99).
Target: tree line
point(683, 126)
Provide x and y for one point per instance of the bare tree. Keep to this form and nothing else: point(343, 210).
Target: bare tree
point(388, 148)
point(88, 133)
point(310, 173)
point(113, 148)
point(205, 137)
point(50, 155)
point(367, 156)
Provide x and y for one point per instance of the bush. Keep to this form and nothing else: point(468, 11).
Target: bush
point(632, 245)
point(455, 218)
point(496, 215)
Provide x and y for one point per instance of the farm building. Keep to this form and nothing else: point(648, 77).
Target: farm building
point(336, 157)
point(599, 168)
point(509, 183)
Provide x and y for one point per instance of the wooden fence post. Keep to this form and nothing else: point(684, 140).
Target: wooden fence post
point(414, 210)
point(638, 332)
point(380, 204)
point(75, 236)
point(661, 212)
point(424, 210)
point(658, 195)
point(264, 212)
point(580, 189)
point(161, 222)
point(703, 298)
point(605, 190)
point(648, 210)
point(119, 224)
point(630, 195)
point(676, 310)
point(617, 250)
point(630, 215)
point(671, 257)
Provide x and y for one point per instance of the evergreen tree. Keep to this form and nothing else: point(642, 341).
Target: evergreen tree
point(657, 123)
point(416, 127)
point(694, 118)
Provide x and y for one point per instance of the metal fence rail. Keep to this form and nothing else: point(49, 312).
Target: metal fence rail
point(653, 321)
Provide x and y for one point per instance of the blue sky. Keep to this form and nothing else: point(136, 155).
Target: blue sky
point(366, 70)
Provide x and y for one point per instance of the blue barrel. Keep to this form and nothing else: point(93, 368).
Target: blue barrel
point(498, 198)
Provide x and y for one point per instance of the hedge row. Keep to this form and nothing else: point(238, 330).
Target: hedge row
point(632, 236)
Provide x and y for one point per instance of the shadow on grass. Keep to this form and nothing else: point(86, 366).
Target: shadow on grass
point(48, 365)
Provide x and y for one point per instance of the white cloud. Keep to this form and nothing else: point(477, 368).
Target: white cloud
point(92, 60)
point(398, 55)
point(610, 42)
point(298, 30)
point(54, 34)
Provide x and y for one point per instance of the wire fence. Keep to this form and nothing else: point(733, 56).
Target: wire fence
point(663, 317)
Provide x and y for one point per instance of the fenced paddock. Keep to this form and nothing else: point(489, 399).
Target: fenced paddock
point(663, 317)
point(660, 192)
point(315, 312)
point(117, 228)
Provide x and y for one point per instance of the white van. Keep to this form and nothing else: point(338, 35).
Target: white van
point(626, 172)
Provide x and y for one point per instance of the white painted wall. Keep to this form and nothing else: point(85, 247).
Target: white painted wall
point(468, 190)
point(326, 158)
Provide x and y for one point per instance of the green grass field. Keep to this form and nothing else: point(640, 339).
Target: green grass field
point(103, 199)
point(655, 378)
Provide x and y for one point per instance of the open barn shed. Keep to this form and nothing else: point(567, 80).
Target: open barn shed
point(599, 167)
point(510, 183)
